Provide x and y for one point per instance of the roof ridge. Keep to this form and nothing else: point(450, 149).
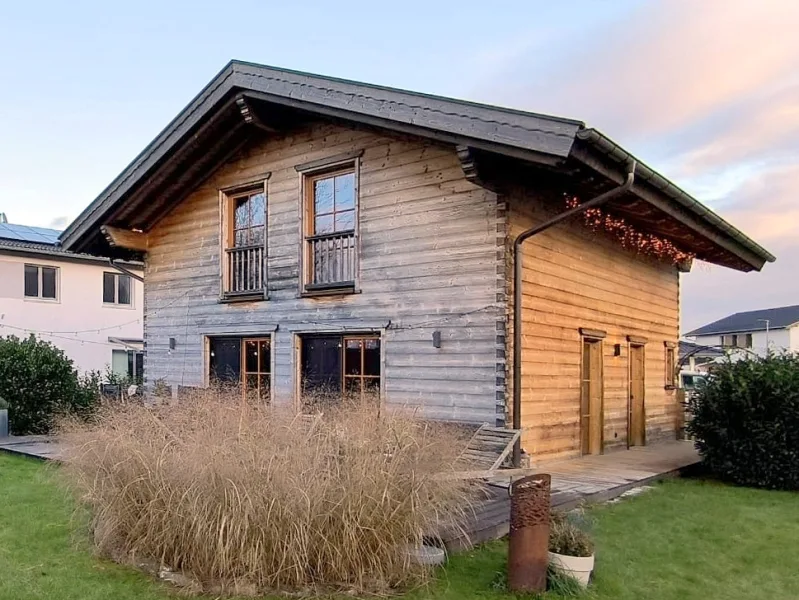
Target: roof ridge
point(387, 88)
point(427, 108)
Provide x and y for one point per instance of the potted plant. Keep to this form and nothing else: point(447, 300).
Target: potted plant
point(3, 418)
point(571, 549)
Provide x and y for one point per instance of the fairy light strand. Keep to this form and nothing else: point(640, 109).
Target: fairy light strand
point(629, 236)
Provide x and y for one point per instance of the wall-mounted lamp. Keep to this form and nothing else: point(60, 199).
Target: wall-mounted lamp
point(172, 343)
point(617, 350)
point(436, 339)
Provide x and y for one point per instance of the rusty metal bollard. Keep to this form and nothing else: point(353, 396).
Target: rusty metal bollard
point(528, 548)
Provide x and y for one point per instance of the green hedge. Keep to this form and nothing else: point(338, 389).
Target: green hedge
point(745, 419)
point(39, 383)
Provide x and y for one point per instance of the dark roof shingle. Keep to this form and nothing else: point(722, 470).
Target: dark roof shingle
point(753, 320)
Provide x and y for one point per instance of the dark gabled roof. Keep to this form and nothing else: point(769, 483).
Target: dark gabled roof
point(753, 320)
point(699, 351)
point(212, 127)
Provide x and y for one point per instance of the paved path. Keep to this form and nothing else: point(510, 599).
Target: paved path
point(37, 446)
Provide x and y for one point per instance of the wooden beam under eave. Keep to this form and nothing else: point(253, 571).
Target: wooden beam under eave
point(250, 115)
point(125, 238)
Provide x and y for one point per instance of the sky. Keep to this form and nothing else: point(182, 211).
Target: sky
point(706, 92)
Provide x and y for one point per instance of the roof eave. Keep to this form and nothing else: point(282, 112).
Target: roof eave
point(738, 243)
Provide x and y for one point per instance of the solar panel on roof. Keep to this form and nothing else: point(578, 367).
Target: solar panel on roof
point(24, 233)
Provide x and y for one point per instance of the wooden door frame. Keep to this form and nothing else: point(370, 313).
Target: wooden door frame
point(635, 342)
point(591, 336)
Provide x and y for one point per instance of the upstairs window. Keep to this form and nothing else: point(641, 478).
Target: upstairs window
point(330, 225)
point(670, 375)
point(116, 289)
point(41, 282)
point(244, 241)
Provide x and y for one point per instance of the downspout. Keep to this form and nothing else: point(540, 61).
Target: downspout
point(517, 292)
point(125, 271)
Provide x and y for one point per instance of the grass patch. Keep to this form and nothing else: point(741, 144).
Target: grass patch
point(685, 540)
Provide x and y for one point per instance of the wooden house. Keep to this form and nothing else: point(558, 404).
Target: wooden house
point(302, 232)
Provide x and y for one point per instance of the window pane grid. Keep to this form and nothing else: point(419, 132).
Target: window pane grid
point(330, 230)
point(256, 372)
point(41, 282)
point(357, 363)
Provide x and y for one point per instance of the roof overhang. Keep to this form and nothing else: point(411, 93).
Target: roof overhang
point(245, 100)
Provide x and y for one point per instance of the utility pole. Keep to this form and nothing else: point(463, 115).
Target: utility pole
point(767, 322)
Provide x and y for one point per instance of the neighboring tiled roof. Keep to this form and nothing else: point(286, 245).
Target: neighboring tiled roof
point(698, 350)
point(754, 320)
point(31, 240)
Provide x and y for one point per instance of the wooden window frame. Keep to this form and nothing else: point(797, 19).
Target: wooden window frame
point(379, 335)
point(227, 200)
point(344, 376)
point(243, 337)
point(39, 272)
point(670, 365)
point(309, 173)
point(244, 372)
point(116, 303)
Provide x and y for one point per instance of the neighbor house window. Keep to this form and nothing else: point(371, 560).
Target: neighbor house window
point(117, 289)
point(244, 240)
point(41, 282)
point(245, 363)
point(127, 364)
point(330, 218)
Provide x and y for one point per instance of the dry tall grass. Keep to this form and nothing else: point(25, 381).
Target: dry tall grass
point(247, 497)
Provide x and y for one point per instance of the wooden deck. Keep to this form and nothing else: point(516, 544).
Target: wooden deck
point(43, 447)
point(575, 481)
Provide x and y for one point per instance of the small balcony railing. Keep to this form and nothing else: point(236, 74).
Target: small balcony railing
point(333, 260)
point(245, 270)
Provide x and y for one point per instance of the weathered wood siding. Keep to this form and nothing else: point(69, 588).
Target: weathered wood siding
point(574, 278)
point(430, 252)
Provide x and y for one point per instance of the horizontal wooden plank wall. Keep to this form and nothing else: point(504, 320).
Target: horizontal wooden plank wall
point(575, 278)
point(429, 252)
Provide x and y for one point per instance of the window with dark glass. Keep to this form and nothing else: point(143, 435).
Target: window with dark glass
point(335, 366)
point(330, 215)
point(244, 362)
point(245, 242)
point(116, 288)
point(40, 282)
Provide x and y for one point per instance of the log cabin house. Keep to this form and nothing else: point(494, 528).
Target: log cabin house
point(303, 232)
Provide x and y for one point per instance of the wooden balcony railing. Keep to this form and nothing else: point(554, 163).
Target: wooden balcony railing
point(333, 260)
point(245, 270)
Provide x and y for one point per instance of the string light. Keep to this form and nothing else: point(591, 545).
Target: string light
point(629, 236)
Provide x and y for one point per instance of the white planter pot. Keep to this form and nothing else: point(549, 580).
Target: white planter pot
point(579, 567)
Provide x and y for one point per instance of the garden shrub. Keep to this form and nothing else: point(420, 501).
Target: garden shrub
point(40, 384)
point(745, 419)
point(240, 497)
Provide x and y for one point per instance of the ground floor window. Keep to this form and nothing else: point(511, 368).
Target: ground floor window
point(240, 361)
point(128, 363)
point(335, 366)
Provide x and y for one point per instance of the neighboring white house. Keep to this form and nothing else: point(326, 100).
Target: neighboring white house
point(80, 303)
point(776, 329)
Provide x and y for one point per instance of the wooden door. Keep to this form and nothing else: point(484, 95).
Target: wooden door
point(636, 432)
point(591, 410)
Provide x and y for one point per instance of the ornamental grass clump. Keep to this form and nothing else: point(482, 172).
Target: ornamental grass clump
point(242, 497)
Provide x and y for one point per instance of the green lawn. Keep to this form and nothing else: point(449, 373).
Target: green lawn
point(685, 539)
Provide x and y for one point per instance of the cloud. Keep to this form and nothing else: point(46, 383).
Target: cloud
point(59, 222)
point(706, 92)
